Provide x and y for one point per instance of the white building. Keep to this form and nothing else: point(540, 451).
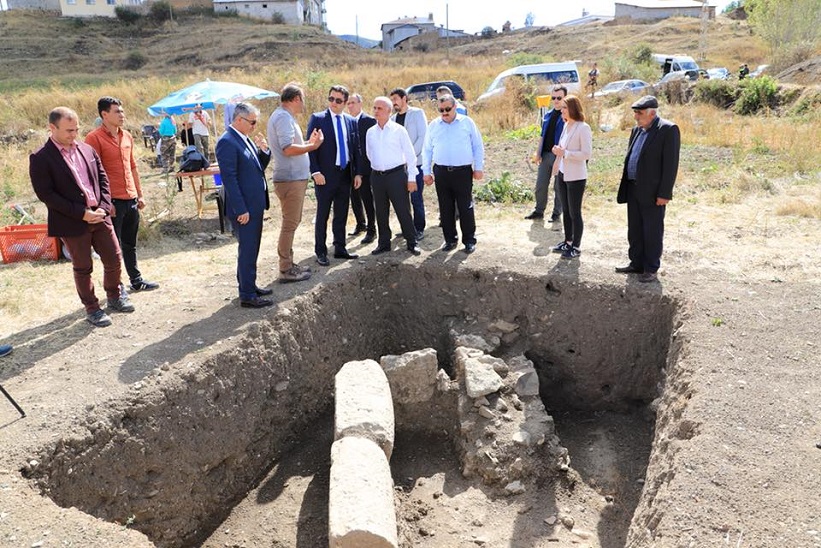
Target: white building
point(293, 12)
point(661, 9)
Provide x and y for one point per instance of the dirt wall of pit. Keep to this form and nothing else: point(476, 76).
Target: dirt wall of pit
point(176, 455)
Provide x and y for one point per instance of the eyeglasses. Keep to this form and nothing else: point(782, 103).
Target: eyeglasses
point(337, 100)
point(445, 109)
point(252, 122)
point(557, 98)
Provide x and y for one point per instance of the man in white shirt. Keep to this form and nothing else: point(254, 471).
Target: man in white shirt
point(393, 174)
point(199, 121)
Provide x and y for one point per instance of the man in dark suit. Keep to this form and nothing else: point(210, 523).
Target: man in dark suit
point(362, 198)
point(242, 169)
point(650, 169)
point(333, 165)
point(69, 178)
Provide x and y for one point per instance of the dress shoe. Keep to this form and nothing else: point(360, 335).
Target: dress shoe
point(264, 292)
point(648, 277)
point(448, 246)
point(555, 218)
point(123, 304)
point(379, 250)
point(322, 260)
point(343, 254)
point(256, 302)
point(414, 250)
point(469, 248)
point(98, 318)
point(420, 235)
point(629, 269)
point(358, 230)
point(535, 215)
point(369, 238)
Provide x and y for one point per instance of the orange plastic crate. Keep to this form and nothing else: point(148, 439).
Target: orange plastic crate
point(28, 243)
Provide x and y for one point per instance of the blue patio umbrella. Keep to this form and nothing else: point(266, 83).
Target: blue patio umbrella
point(208, 94)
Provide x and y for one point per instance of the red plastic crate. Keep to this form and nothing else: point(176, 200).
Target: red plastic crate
point(28, 243)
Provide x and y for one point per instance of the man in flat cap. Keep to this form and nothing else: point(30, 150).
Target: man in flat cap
point(650, 169)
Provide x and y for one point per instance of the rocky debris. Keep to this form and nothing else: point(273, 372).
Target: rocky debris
point(478, 372)
point(364, 406)
point(485, 344)
point(514, 488)
point(412, 375)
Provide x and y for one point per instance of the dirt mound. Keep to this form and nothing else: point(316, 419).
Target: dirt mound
point(806, 73)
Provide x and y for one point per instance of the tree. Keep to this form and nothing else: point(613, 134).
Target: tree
point(790, 27)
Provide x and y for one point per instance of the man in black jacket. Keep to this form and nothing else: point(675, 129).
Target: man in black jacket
point(650, 169)
point(552, 127)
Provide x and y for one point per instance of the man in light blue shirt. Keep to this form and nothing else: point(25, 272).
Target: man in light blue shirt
point(453, 156)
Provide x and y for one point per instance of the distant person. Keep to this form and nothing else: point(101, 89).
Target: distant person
point(415, 123)
point(242, 168)
point(743, 71)
point(573, 150)
point(168, 143)
point(69, 178)
point(187, 134)
point(362, 198)
point(552, 126)
point(115, 146)
point(200, 122)
point(393, 175)
point(291, 173)
point(650, 170)
point(441, 91)
point(593, 76)
point(453, 156)
point(335, 169)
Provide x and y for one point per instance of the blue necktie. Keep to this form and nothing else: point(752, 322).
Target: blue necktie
point(340, 143)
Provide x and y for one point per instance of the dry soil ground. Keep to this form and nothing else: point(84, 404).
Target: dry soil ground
point(736, 457)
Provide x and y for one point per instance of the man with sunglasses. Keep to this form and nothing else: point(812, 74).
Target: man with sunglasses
point(242, 168)
point(552, 126)
point(334, 164)
point(453, 156)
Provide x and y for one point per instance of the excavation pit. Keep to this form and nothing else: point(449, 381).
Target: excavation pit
point(249, 428)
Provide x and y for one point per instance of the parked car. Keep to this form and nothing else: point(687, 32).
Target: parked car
point(427, 91)
point(760, 70)
point(544, 76)
point(719, 73)
point(678, 76)
point(637, 87)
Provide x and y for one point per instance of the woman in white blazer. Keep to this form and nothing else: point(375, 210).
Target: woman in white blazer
point(572, 153)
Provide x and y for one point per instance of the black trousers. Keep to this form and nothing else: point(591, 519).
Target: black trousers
point(126, 226)
point(454, 189)
point(362, 205)
point(645, 232)
point(570, 196)
point(334, 196)
point(392, 189)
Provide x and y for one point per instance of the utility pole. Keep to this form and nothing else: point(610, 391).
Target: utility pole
point(357, 31)
point(447, 33)
point(705, 20)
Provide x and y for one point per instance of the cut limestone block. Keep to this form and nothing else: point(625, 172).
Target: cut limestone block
point(364, 407)
point(412, 375)
point(360, 510)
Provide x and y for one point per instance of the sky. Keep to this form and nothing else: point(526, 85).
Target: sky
point(467, 15)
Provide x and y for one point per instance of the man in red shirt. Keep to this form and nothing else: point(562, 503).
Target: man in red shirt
point(115, 146)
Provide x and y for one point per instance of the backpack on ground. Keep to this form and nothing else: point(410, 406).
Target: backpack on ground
point(193, 160)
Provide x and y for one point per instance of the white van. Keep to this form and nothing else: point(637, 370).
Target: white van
point(676, 63)
point(544, 75)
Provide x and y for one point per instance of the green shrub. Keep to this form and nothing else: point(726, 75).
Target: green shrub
point(756, 94)
point(642, 54)
point(525, 133)
point(160, 11)
point(719, 93)
point(524, 58)
point(278, 18)
point(127, 15)
point(135, 60)
point(504, 190)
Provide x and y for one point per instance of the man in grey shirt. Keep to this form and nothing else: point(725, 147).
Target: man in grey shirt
point(291, 173)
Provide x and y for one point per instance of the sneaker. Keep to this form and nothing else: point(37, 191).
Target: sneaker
point(561, 247)
point(571, 252)
point(293, 274)
point(420, 235)
point(144, 285)
point(123, 304)
point(98, 318)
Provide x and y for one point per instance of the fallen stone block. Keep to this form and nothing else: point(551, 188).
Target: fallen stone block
point(364, 407)
point(412, 375)
point(360, 510)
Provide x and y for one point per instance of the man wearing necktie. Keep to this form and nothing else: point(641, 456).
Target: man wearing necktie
point(242, 169)
point(334, 165)
point(68, 177)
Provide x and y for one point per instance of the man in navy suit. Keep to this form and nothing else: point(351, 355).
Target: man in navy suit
point(333, 165)
point(242, 169)
point(362, 198)
point(650, 169)
point(68, 177)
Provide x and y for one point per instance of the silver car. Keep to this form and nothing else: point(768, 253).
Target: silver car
point(637, 87)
